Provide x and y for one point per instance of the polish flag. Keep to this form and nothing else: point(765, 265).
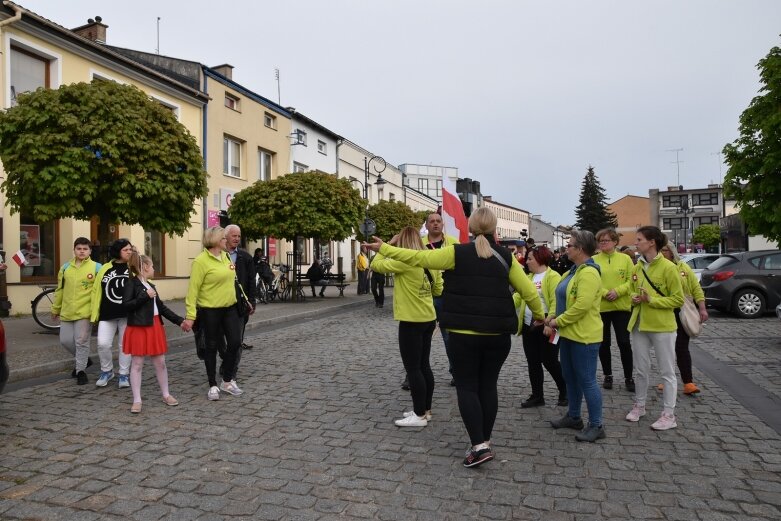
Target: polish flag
point(453, 212)
point(19, 258)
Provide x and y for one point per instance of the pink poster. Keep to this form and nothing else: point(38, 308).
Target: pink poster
point(272, 247)
point(213, 218)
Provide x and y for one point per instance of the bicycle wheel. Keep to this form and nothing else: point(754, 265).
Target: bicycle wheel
point(42, 310)
point(262, 291)
point(284, 289)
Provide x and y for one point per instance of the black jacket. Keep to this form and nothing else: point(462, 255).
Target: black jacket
point(140, 307)
point(245, 271)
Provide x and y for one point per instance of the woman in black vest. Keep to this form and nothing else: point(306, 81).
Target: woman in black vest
point(478, 312)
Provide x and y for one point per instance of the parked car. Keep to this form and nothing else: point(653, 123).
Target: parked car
point(747, 283)
point(699, 261)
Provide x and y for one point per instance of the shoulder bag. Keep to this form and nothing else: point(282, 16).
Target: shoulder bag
point(688, 314)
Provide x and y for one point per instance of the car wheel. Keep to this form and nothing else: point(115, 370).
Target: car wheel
point(748, 303)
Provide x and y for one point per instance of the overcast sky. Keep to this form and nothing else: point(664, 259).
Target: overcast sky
point(520, 95)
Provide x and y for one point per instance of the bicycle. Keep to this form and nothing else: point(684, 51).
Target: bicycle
point(279, 287)
point(42, 309)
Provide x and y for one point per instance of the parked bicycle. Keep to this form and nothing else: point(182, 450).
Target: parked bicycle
point(279, 287)
point(42, 308)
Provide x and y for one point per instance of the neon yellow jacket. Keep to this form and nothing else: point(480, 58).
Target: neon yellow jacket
point(549, 283)
point(581, 321)
point(412, 290)
point(445, 259)
point(656, 316)
point(616, 270)
point(689, 283)
point(73, 296)
point(447, 240)
point(212, 283)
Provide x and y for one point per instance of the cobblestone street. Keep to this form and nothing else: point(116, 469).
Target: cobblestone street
point(313, 438)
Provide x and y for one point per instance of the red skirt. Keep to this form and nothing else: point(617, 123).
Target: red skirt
point(145, 340)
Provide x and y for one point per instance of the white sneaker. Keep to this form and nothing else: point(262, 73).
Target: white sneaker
point(666, 421)
point(231, 388)
point(214, 393)
point(407, 414)
point(412, 421)
point(637, 412)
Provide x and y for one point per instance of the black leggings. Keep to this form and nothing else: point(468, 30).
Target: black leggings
point(620, 321)
point(682, 355)
point(539, 352)
point(415, 349)
point(477, 360)
point(378, 290)
point(222, 325)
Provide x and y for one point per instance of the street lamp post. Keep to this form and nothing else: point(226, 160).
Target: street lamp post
point(368, 228)
point(685, 210)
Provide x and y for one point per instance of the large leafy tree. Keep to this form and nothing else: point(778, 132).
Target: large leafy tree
point(754, 175)
point(100, 149)
point(391, 217)
point(308, 204)
point(709, 235)
point(592, 213)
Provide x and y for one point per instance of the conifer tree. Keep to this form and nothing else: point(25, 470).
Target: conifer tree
point(592, 213)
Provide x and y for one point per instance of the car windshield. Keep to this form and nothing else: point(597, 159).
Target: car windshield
point(721, 262)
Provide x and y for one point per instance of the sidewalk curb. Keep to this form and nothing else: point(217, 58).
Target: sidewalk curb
point(61, 366)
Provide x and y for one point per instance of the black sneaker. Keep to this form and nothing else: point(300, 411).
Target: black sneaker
point(81, 378)
point(247, 346)
point(629, 383)
point(591, 434)
point(563, 401)
point(477, 457)
point(405, 384)
point(607, 383)
point(89, 363)
point(533, 401)
point(567, 422)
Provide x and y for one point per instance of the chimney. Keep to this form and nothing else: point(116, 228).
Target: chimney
point(224, 69)
point(95, 30)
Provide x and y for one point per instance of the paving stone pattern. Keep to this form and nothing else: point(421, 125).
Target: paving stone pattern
point(313, 438)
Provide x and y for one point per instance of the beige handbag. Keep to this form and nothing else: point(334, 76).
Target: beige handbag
point(690, 317)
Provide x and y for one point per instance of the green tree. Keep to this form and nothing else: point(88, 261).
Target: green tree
point(391, 217)
point(100, 149)
point(592, 213)
point(308, 204)
point(754, 175)
point(709, 235)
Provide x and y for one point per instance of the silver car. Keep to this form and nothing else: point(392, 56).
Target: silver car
point(699, 261)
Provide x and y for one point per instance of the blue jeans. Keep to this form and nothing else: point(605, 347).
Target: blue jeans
point(579, 368)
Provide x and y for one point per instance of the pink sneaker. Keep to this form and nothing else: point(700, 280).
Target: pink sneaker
point(666, 421)
point(637, 412)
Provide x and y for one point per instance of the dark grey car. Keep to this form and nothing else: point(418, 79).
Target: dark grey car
point(747, 284)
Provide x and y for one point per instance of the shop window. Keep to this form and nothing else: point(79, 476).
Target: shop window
point(154, 248)
point(39, 246)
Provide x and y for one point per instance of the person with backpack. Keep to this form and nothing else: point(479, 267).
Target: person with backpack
point(73, 305)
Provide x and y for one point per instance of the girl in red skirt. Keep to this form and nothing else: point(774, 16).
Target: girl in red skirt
point(144, 335)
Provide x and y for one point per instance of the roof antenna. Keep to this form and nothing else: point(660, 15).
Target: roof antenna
point(158, 35)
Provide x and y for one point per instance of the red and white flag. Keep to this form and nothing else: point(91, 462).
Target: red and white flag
point(453, 212)
point(19, 258)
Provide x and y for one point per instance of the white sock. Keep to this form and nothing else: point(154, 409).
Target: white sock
point(480, 447)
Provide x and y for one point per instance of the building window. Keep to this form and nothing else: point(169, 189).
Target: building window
point(392, 197)
point(265, 163)
point(706, 219)
point(380, 193)
point(672, 201)
point(231, 157)
point(423, 185)
point(232, 102)
point(270, 120)
point(299, 167)
point(300, 137)
point(38, 243)
point(711, 199)
point(322, 147)
point(439, 187)
point(674, 223)
point(154, 247)
point(28, 72)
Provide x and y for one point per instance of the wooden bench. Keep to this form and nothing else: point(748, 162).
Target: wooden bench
point(334, 280)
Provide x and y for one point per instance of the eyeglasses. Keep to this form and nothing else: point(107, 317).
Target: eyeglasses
point(606, 241)
point(572, 245)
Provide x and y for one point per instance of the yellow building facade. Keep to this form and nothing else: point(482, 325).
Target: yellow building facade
point(39, 53)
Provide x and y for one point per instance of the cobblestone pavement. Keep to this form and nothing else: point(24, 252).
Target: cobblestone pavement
point(313, 438)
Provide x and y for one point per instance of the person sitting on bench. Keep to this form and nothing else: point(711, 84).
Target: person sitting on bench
point(316, 277)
